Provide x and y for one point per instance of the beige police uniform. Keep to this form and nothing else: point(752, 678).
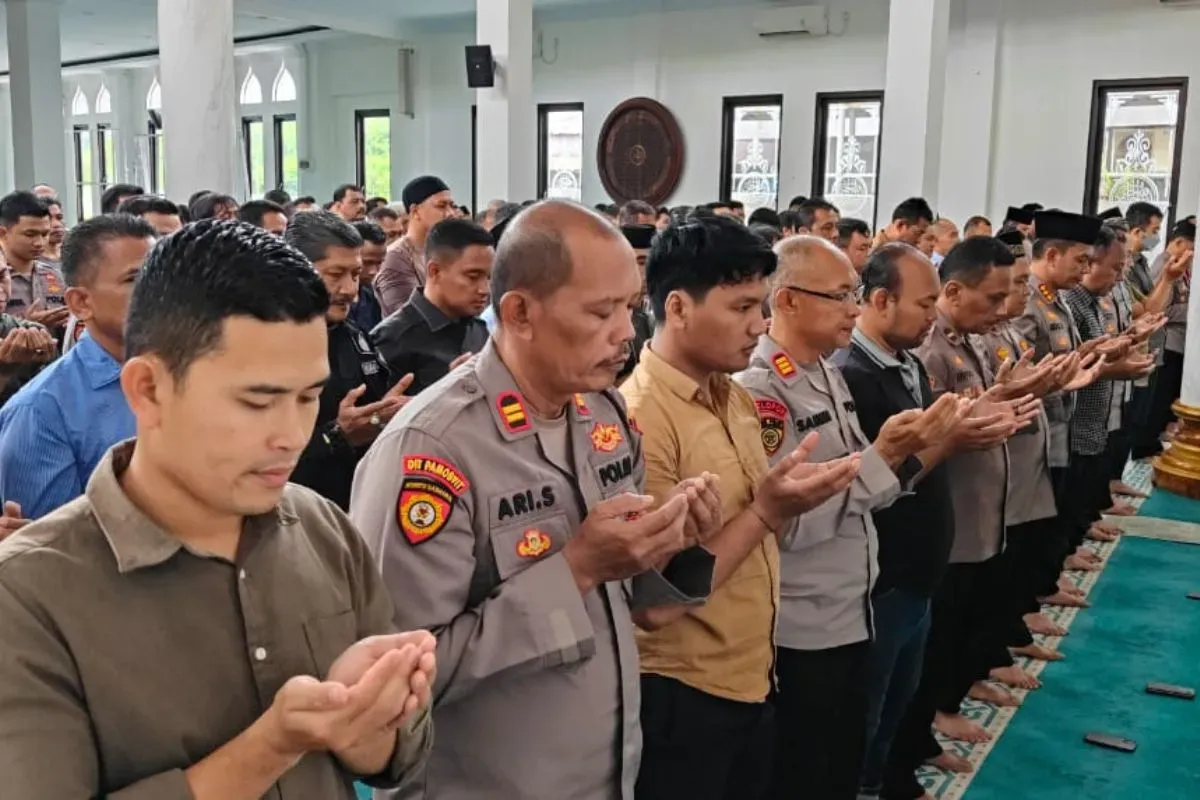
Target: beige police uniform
point(1048, 326)
point(828, 563)
point(1030, 490)
point(978, 478)
point(466, 501)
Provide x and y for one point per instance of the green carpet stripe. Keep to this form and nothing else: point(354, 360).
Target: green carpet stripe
point(1141, 628)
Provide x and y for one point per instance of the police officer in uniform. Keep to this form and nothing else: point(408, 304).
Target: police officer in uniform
point(828, 565)
point(504, 507)
point(356, 403)
point(640, 237)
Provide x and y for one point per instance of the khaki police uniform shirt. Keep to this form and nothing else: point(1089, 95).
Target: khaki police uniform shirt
point(1048, 326)
point(43, 282)
point(129, 656)
point(978, 478)
point(828, 562)
point(1030, 490)
point(725, 647)
point(467, 501)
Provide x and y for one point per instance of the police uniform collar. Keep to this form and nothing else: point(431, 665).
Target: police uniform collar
point(510, 410)
point(947, 328)
point(770, 354)
point(1046, 293)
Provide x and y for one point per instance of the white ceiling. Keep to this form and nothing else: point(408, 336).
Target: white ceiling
point(95, 29)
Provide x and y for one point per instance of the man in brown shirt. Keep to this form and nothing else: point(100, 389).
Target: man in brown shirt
point(194, 626)
point(428, 201)
point(706, 671)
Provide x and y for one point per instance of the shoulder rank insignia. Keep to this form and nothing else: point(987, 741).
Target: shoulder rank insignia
point(512, 411)
point(606, 437)
point(1048, 294)
point(533, 543)
point(427, 496)
point(581, 406)
point(771, 421)
point(783, 365)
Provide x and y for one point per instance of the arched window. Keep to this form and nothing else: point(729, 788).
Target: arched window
point(284, 90)
point(103, 101)
point(251, 90)
point(79, 104)
point(154, 97)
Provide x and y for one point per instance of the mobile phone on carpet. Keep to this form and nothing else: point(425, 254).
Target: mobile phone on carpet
point(1170, 690)
point(1111, 742)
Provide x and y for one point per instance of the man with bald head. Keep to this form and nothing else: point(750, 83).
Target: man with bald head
point(505, 507)
point(828, 566)
point(945, 236)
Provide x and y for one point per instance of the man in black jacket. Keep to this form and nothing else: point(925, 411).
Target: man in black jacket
point(356, 402)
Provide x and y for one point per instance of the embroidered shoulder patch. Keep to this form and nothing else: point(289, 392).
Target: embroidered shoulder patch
point(783, 365)
point(427, 497)
point(512, 411)
point(771, 421)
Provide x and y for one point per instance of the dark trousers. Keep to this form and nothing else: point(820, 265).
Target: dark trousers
point(893, 671)
point(1168, 381)
point(1084, 495)
point(821, 722)
point(1143, 441)
point(1031, 568)
point(697, 745)
point(963, 646)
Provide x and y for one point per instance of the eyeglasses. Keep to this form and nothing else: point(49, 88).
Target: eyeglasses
point(851, 297)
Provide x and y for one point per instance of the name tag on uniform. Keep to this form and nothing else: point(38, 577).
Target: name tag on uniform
point(814, 421)
point(613, 472)
point(522, 503)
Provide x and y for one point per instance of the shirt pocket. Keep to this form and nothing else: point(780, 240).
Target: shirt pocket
point(518, 546)
point(328, 636)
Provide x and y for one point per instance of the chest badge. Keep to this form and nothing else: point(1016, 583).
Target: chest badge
point(1003, 353)
point(606, 438)
point(783, 365)
point(533, 544)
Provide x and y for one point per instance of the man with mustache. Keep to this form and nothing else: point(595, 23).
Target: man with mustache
point(356, 402)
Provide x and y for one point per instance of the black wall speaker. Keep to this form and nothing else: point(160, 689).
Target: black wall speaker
point(481, 70)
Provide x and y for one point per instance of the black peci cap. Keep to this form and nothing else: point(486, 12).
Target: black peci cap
point(1014, 240)
point(1067, 227)
point(1020, 216)
point(639, 236)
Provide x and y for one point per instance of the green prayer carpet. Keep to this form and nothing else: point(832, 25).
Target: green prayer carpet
point(1168, 505)
point(1141, 628)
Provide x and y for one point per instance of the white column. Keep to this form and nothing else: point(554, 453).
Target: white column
point(972, 57)
point(36, 91)
point(1190, 393)
point(914, 92)
point(507, 146)
point(195, 39)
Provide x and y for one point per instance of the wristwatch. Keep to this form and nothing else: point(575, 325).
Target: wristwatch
point(335, 437)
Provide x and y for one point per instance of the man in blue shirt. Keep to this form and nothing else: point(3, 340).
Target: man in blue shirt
point(55, 430)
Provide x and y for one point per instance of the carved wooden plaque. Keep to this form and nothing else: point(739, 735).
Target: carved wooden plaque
point(640, 154)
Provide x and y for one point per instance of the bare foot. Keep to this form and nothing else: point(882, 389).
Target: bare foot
point(987, 693)
point(956, 726)
point(1088, 554)
point(1015, 676)
point(1040, 623)
point(1037, 651)
point(1121, 509)
point(951, 762)
point(1080, 563)
point(1120, 487)
point(1108, 527)
point(1061, 598)
point(1097, 535)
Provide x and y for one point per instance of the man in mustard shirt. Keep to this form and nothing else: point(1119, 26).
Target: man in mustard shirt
point(706, 672)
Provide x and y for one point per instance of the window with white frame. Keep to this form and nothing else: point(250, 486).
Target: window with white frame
point(156, 166)
point(846, 152)
point(750, 140)
point(284, 88)
point(560, 151)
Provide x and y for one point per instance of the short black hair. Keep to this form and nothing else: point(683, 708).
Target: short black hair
point(970, 261)
point(209, 272)
point(797, 201)
point(790, 219)
point(632, 209)
point(383, 212)
point(976, 221)
point(848, 226)
point(207, 204)
point(701, 255)
point(736, 204)
point(19, 204)
point(809, 208)
point(1106, 237)
point(254, 211)
point(339, 194)
point(305, 200)
point(451, 237)
point(314, 232)
point(1141, 214)
point(882, 270)
point(1184, 229)
point(197, 195)
point(111, 197)
point(83, 243)
point(185, 213)
point(913, 210)
point(713, 206)
point(376, 202)
point(279, 197)
point(764, 216)
point(52, 201)
point(768, 233)
point(370, 231)
point(147, 204)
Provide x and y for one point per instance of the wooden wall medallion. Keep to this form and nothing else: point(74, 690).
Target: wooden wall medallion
point(640, 153)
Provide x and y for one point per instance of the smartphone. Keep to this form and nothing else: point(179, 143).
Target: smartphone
point(1111, 742)
point(1168, 690)
point(1193, 596)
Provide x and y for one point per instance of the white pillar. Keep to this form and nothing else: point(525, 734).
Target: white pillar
point(507, 146)
point(36, 91)
point(1190, 393)
point(971, 68)
point(195, 39)
point(914, 92)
